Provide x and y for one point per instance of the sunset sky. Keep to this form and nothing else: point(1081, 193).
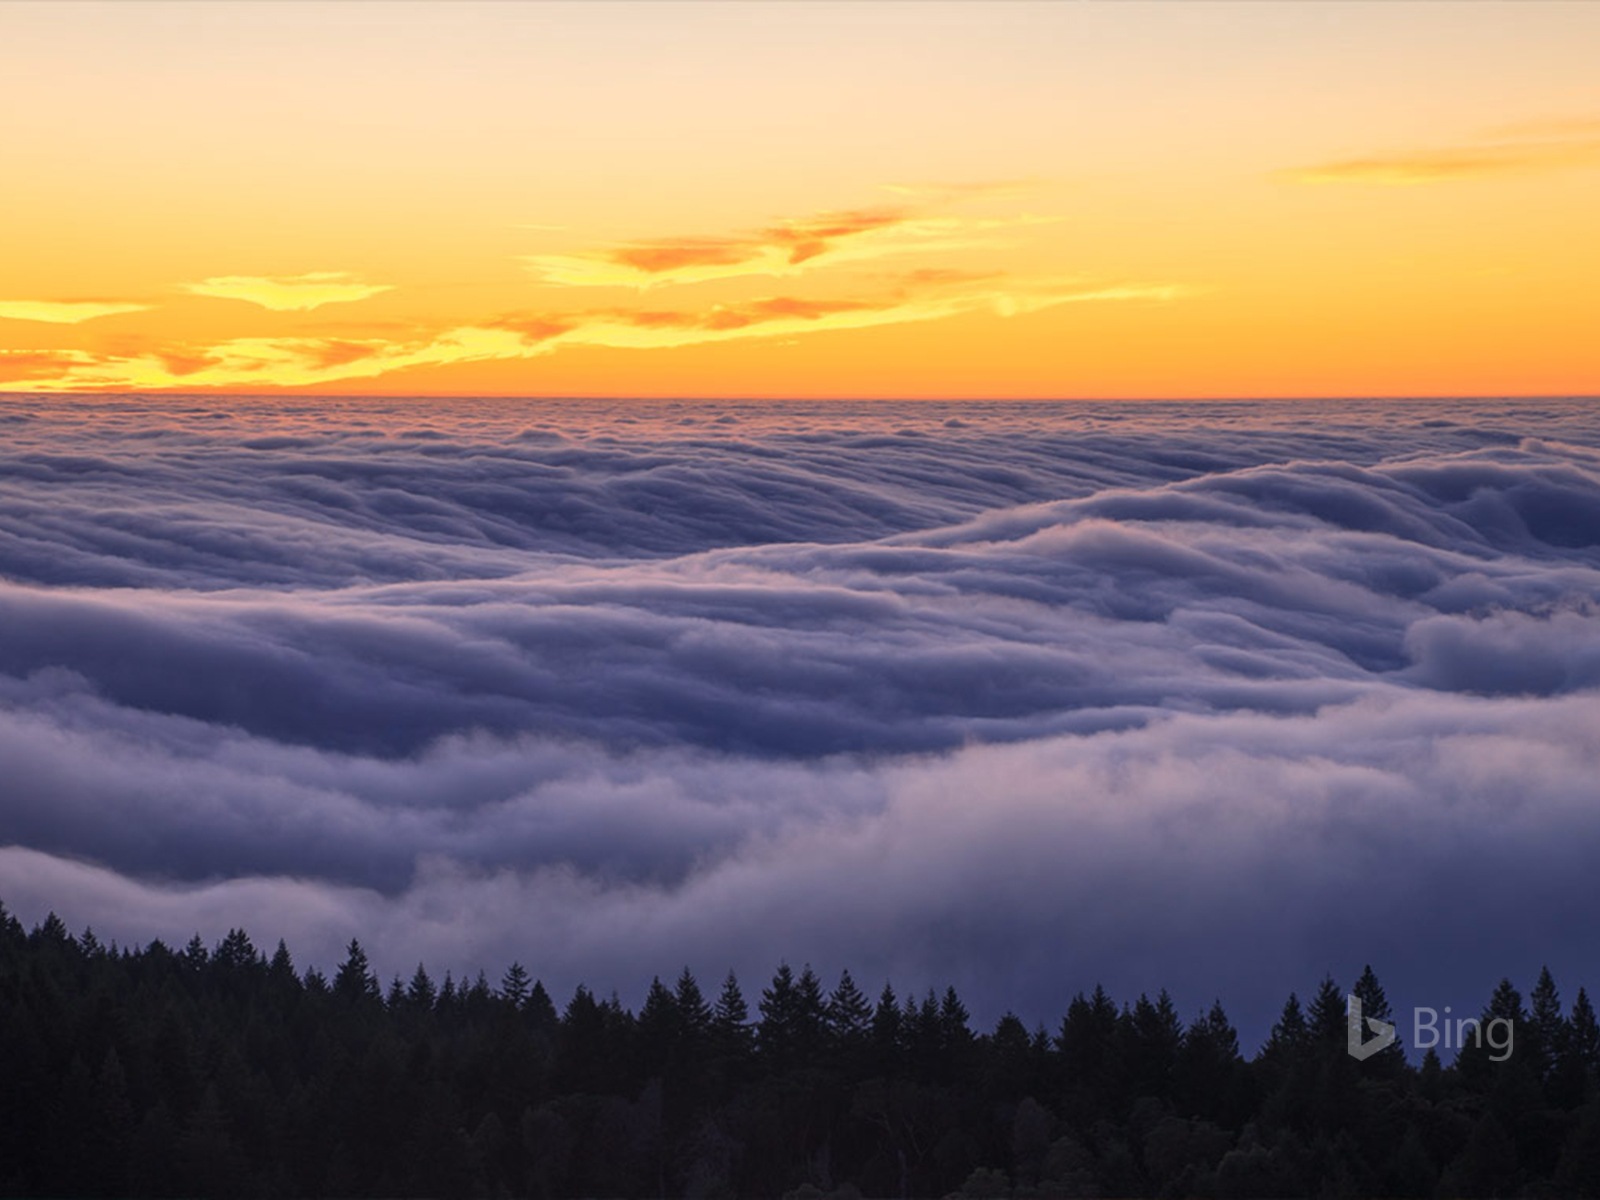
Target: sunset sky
point(767, 199)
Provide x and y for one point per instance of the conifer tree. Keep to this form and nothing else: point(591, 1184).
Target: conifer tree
point(355, 981)
point(810, 1017)
point(1583, 1042)
point(777, 1032)
point(887, 1034)
point(1290, 1033)
point(730, 1020)
point(281, 968)
point(1547, 1028)
point(1478, 1060)
point(514, 985)
point(1327, 1019)
point(849, 1013)
point(694, 1013)
point(420, 993)
point(658, 1026)
point(540, 1010)
point(1386, 1063)
point(953, 1018)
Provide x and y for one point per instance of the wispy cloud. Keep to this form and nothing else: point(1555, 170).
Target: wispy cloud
point(972, 190)
point(784, 248)
point(1510, 150)
point(33, 364)
point(303, 361)
point(64, 312)
point(1550, 127)
point(288, 293)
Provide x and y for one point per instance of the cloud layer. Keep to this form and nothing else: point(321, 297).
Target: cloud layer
point(1020, 696)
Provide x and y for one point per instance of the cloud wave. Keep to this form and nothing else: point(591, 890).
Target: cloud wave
point(1212, 697)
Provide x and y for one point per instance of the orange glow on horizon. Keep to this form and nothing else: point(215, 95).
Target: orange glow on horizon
point(921, 199)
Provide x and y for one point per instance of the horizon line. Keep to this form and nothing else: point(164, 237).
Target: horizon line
point(1264, 398)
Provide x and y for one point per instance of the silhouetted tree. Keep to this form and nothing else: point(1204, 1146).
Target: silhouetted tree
point(514, 985)
point(354, 982)
point(149, 1072)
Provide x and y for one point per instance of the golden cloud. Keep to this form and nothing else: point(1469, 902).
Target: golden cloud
point(1512, 149)
point(28, 364)
point(307, 362)
point(781, 249)
point(64, 312)
point(288, 293)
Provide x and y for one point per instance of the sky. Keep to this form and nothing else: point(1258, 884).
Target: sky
point(903, 199)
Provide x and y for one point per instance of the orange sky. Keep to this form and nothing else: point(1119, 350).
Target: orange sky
point(811, 199)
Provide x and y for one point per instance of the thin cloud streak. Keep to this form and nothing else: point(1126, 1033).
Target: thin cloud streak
point(65, 312)
point(1518, 149)
point(289, 293)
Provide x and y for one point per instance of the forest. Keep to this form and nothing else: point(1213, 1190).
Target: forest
point(226, 1071)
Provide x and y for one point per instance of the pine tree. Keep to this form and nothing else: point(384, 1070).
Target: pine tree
point(953, 1018)
point(1578, 1058)
point(355, 982)
point(1477, 1059)
point(1327, 1020)
point(1583, 1046)
point(1207, 1075)
point(195, 955)
point(540, 1010)
point(658, 1029)
point(11, 932)
point(420, 993)
point(1151, 1035)
point(887, 1034)
point(810, 1017)
point(1389, 1061)
point(849, 1013)
point(777, 1032)
point(1093, 1080)
point(281, 969)
point(477, 1001)
point(514, 985)
point(235, 952)
point(1289, 1034)
point(1547, 1028)
point(730, 1021)
point(694, 1013)
point(52, 931)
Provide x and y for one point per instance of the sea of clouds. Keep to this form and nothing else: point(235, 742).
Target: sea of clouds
point(1024, 697)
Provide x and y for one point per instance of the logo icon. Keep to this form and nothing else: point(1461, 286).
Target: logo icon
point(1355, 1039)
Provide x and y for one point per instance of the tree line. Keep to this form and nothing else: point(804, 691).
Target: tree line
point(225, 1071)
